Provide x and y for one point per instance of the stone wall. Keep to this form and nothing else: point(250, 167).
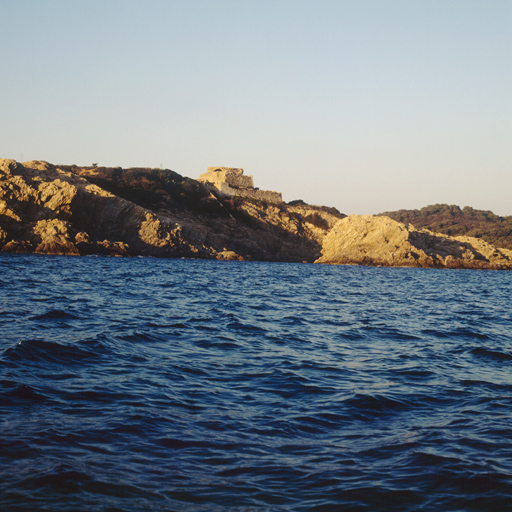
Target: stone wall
point(231, 176)
point(253, 193)
point(231, 182)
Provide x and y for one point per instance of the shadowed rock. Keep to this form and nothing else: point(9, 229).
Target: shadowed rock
point(153, 212)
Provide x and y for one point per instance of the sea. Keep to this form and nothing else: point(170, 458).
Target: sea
point(142, 384)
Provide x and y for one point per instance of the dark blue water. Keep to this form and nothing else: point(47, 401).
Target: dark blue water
point(178, 385)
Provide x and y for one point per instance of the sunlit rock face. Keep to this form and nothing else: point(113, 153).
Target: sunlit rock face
point(47, 210)
point(74, 210)
point(381, 241)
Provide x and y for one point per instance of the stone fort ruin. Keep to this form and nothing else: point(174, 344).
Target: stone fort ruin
point(231, 182)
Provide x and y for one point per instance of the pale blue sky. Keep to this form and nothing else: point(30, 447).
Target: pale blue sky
point(366, 105)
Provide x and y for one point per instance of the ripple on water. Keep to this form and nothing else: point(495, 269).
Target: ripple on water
point(198, 385)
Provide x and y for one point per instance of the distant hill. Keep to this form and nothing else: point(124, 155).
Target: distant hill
point(454, 221)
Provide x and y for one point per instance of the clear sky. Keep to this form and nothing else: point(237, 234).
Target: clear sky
point(366, 105)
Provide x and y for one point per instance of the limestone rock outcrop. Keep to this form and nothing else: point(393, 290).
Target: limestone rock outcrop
point(71, 210)
point(152, 212)
point(44, 209)
point(381, 241)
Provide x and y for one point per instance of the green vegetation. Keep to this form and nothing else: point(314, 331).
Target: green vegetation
point(454, 221)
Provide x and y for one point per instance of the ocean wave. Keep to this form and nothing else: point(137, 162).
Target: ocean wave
point(367, 406)
point(21, 393)
point(495, 355)
point(56, 314)
point(33, 350)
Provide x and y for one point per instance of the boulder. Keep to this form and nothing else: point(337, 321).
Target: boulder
point(381, 241)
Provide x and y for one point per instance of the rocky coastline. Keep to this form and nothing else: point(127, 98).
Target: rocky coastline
point(70, 210)
point(384, 242)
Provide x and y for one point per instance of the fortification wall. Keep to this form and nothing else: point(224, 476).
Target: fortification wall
point(231, 182)
point(232, 176)
point(253, 193)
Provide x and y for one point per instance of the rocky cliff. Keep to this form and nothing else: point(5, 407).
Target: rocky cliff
point(72, 210)
point(381, 241)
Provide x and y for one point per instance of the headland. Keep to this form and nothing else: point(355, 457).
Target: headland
point(72, 210)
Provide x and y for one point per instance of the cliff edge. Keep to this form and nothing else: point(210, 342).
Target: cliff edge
point(381, 241)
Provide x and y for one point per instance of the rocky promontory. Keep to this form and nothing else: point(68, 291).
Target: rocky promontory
point(71, 210)
point(381, 241)
point(52, 209)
